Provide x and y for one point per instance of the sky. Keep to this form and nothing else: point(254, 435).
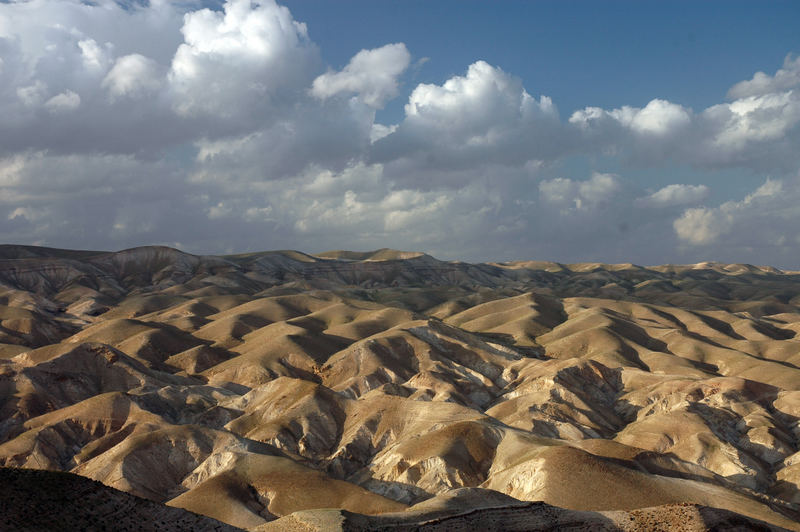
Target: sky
point(644, 132)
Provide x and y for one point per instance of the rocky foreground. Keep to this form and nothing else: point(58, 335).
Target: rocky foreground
point(279, 390)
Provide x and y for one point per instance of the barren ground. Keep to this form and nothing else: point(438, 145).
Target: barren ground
point(279, 390)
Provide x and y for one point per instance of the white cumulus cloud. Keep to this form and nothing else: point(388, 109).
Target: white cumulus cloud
point(659, 118)
point(676, 194)
point(481, 119)
point(133, 75)
point(762, 225)
point(747, 123)
point(784, 79)
point(372, 74)
point(598, 190)
point(702, 226)
point(758, 130)
point(246, 59)
point(63, 102)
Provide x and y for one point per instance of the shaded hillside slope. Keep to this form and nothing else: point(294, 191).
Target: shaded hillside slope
point(45, 500)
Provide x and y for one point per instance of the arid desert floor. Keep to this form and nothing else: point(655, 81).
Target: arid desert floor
point(390, 390)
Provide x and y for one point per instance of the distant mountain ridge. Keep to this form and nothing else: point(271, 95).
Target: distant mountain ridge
point(50, 272)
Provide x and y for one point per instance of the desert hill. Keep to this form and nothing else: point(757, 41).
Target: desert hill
point(36, 500)
point(397, 389)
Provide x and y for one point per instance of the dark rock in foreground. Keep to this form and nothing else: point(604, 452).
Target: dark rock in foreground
point(47, 500)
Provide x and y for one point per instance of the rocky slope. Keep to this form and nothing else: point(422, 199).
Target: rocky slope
point(252, 387)
point(524, 517)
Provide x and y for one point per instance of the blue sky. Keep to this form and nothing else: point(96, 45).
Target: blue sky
point(644, 132)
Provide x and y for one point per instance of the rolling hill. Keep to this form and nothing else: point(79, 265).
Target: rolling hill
point(386, 389)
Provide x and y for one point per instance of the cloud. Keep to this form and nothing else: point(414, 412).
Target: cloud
point(164, 77)
point(645, 136)
point(133, 75)
point(26, 213)
point(743, 128)
point(763, 225)
point(483, 118)
point(64, 102)
point(244, 61)
point(702, 226)
point(372, 74)
point(32, 95)
point(75, 199)
point(596, 191)
point(379, 131)
point(95, 57)
point(784, 79)
point(758, 131)
point(481, 108)
point(330, 135)
point(558, 191)
point(659, 118)
point(368, 209)
point(676, 194)
point(56, 54)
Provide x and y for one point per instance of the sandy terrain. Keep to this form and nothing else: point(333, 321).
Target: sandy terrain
point(390, 390)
